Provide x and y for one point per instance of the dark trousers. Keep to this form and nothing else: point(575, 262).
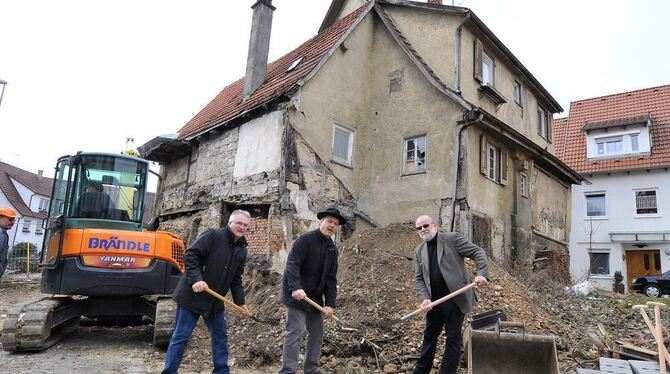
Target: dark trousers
point(449, 317)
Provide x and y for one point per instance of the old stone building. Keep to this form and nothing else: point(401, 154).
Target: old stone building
point(394, 109)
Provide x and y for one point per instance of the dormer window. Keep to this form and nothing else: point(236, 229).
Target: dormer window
point(618, 138)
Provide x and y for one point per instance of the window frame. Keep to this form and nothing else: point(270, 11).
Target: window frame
point(495, 168)
point(600, 251)
point(405, 151)
point(637, 209)
point(543, 124)
point(350, 146)
point(523, 184)
point(487, 56)
point(517, 93)
point(586, 204)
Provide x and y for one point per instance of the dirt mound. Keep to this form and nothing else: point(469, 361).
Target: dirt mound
point(376, 287)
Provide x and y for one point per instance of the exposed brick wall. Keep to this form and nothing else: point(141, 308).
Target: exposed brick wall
point(257, 236)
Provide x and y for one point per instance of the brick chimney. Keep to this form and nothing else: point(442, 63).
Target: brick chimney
point(438, 2)
point(259, 45)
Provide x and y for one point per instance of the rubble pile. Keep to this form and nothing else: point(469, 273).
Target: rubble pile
point(376, 288)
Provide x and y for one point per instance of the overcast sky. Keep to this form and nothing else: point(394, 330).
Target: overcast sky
point(86, 74)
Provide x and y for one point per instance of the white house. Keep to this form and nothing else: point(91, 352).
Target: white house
point(29, 195)
point(621, 221)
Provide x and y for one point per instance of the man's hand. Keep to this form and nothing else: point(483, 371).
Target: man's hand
point(425, 306)
point(199, 286)
point(481, 281)
point(298, 294)
point(247, 313)
point(329, 312)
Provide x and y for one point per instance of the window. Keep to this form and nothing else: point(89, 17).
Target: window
point(599, 262)
point(543, 123)
point(645, 202)
point(415, 155)
point(493, 161)
point(523, 184)
point(343, 140)
point(488, 69)
point(492, 168)
point(517, 92)
point(38, 229)
point(595, 205)
point(44, 205)
point(634, 144)
point(609, 146)
point(26, 225)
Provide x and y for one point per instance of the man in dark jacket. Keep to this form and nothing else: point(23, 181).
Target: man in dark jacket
point(215, 260)
point(311, 271)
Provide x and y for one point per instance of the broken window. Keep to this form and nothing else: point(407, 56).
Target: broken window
point(645, 202)
point(343, 140)
point(595, 205)
point(415, 155)
point(599, 262)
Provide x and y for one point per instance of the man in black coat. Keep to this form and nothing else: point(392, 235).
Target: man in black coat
point(215, 260)
point(311, 271)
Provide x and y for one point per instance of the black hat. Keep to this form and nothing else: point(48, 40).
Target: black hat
point(333, 212)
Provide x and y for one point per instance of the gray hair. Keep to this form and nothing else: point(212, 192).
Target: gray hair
point(238, 212)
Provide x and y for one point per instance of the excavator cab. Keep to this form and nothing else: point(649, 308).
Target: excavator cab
point(98, 256)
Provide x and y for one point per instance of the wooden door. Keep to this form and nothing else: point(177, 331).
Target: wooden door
point(641, 263)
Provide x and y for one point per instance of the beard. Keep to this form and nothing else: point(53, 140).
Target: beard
point(428, 236)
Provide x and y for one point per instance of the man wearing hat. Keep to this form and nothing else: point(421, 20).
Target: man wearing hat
point(7, 218)
point(311, 270)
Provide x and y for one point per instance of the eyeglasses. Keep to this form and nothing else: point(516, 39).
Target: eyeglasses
point(243, 224)
point(424, 226)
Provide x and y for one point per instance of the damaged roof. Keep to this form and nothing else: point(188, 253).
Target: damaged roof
point(38, 185)
point(620, 109)
point(228, 104)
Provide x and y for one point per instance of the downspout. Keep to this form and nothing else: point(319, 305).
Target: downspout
point(457, 135)
point(457, 53)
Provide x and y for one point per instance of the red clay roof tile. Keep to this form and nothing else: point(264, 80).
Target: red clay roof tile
point(570, 140)
point(228, 104)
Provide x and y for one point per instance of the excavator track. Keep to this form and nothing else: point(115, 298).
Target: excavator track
point(32, 326)
point(166, 308)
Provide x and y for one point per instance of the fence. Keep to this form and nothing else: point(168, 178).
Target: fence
point(23, 258)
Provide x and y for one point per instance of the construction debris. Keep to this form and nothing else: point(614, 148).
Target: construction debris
point(376, 285)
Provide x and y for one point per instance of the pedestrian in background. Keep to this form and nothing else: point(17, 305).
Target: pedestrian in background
point(440, 270)
point(7, 218)
point(215, 260)
point(311, 270)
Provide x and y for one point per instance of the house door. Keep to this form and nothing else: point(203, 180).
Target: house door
point(641, 263)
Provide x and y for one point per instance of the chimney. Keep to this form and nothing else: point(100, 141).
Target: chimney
point(259, 45)
point(438, 2)
point(40, 173)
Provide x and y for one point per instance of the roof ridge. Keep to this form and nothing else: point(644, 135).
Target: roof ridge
point(621, 93)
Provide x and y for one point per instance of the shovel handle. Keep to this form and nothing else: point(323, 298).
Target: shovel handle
point(231, 304)
point(438, 301)
point(320, 308)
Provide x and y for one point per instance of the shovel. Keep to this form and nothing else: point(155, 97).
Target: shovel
point(239, 309)
point(342, 324)
point(438, 301)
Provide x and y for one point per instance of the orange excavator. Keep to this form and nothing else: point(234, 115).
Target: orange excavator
point(98, 260)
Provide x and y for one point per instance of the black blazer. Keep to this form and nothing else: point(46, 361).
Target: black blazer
point(219, 261)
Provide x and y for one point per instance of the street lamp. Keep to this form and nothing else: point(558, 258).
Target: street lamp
point(2, 89)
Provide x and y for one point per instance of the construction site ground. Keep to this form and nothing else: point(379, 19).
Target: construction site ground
point(375, 288)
